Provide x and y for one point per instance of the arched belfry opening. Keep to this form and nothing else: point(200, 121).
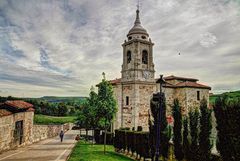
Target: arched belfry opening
point(129, 56)
point(144, 57)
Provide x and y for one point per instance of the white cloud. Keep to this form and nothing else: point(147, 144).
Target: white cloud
point(82, 39)
point(208, 40)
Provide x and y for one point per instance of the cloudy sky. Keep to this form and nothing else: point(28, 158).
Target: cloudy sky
point(61, 47)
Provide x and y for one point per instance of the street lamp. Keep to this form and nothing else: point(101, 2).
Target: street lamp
point(160, 96)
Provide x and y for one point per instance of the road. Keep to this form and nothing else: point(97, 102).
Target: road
point(47, 150)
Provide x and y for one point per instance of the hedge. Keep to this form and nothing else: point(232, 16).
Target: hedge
point(132, 142)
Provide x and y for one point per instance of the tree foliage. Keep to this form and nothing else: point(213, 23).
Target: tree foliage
point(194, 128)
point(228, 124)
point(177, 130)
point(106, 105)
point(164, 134)
point(205, 131)
point(186, 144)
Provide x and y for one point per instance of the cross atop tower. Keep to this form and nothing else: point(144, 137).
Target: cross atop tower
point(138, 5)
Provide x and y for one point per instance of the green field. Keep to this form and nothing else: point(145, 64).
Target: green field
point(231, 95)
point(47, 120)
point(87, 152)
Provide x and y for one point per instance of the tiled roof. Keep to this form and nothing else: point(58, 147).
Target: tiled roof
point(19, 104)
point(115, 81)
point(192, 84)
point(172, 77)
point(31, 109)
point(4, 112)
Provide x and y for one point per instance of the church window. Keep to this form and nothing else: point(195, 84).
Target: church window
point(198, 95)
point(130, 38)
point(127, 100)
point(143, 37)
point(129, 56)
point(145, 57)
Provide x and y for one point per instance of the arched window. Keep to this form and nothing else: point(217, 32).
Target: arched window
point(145, 57)
point(129, 56)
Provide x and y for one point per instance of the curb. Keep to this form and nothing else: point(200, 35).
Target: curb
point(72, 148)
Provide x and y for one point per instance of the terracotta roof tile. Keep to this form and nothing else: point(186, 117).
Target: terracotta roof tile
point(31, 109)
point(172, 77)
point(19, 104)
point(115, 81)
point(4, 112)
point(192, 84)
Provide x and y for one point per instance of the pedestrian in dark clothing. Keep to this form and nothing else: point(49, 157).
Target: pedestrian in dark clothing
point(77, 138)
point(61, 135)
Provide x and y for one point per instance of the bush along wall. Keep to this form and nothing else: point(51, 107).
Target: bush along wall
point(109, 140)
point(132, 142)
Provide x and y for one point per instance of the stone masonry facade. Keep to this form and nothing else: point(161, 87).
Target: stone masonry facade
point(134, 90)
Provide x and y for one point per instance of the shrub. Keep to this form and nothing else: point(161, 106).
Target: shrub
point(97, 136)
point(133, 141)
point(109, 140)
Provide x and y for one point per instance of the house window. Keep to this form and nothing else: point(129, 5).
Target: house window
point(129, 56)
point(198, 95)
point(145, 57)
point(127, 100)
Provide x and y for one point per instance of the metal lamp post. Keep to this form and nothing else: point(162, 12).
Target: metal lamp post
point(160, 104)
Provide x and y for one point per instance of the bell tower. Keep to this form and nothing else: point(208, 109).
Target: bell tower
point(137, 82)
point(138, 54)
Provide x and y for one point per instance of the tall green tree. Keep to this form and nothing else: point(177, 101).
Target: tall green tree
point(228, 124)
point(106, 105)
point(92, 115)
point(80, 120)
point(186, 144)
point(194, 129)
point(177, 130)
point(205, 131)
point(164, 134)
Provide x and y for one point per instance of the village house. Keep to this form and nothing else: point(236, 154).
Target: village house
point(16, 124)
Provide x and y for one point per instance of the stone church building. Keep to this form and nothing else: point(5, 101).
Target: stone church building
point(137, 84)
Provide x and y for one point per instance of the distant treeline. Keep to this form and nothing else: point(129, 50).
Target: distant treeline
point(233, 95)
point(53, 106)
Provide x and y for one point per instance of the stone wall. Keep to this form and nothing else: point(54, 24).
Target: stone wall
point(41, 132)
point(7, 128)
point(136, 113)
point(31, 133)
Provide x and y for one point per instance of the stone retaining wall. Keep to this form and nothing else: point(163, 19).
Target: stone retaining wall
point(31, 133)
point(41, 132)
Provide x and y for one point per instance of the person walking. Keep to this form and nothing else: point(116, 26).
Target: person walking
point(77, 138)
point(61, 135)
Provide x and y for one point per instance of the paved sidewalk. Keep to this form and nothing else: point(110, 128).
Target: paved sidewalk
point(47, 150)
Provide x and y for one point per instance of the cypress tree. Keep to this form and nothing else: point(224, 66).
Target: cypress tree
point(228, 125)
point(177, 130)
point(205, 131)
point(152, 121)
point(194, 117)
point(186, 148)
point(164, 136)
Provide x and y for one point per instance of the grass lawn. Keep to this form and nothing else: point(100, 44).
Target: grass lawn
point(46, 120)
point(87, 152)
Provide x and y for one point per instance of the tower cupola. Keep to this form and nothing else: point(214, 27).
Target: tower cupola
point(137, 31)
